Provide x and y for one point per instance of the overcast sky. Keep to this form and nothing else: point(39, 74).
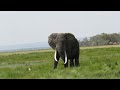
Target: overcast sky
point(17, 27)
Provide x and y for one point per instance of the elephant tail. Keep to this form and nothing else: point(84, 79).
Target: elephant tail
point(65, 58)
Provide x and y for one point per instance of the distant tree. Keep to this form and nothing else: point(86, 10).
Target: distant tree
point(101, 39)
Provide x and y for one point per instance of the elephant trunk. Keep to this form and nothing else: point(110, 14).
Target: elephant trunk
point(55, 56)
point(65, 57)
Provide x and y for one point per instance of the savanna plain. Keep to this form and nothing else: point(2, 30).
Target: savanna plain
point(102, 62)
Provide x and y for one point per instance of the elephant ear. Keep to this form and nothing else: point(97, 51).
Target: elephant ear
point(52, 40)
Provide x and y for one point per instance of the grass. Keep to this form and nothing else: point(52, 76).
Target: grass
point(95, 63)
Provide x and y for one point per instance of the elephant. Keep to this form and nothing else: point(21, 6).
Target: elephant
point(66, 46)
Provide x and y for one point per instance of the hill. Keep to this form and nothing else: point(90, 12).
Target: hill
point(26, 46)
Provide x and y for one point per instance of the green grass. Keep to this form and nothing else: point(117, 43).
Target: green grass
point(95, 63)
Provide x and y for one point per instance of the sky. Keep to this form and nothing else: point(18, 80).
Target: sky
point(17, 27)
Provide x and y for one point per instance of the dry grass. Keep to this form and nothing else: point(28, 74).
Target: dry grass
point(25, 52)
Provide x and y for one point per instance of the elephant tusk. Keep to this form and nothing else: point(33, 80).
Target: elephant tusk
point(65, 58)
point(55, 56)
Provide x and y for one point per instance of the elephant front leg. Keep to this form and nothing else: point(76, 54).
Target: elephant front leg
point(64, 58)
point(63, 55)
point(71, 63)
point(77, 62)
point(66, 65)
point(55, 64)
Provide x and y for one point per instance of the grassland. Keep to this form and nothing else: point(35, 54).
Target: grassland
point(95, 63)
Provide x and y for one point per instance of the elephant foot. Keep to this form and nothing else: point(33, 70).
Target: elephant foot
point(77, 65)
point(65, 65)
point(71, 64)
point(54, 67)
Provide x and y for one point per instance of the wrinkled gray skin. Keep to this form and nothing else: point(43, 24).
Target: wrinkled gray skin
point(65, 42)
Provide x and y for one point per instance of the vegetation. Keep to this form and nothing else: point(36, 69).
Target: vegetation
point(95, 63)
point(101, 39)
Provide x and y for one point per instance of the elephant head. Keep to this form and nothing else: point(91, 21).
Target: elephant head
point(66, 46)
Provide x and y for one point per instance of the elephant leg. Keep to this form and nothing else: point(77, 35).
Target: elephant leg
point(66, 64)
point(76, 61)
point(56, 62)
point(66, 60)
point(71, 63)
point(63, 55)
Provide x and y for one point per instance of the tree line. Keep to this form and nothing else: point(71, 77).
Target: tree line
point(101, 39)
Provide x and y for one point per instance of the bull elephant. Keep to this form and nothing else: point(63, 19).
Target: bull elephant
point(66, 46)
